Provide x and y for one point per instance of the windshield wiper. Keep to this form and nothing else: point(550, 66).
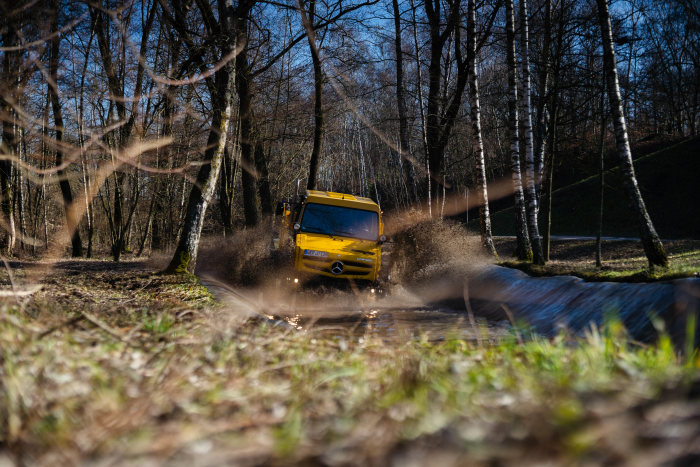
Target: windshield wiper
point(344, 233)
point(313, 230)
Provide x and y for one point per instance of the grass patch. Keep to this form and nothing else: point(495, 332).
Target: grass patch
point(604, 275)
point(89, 375)
point(623, 261)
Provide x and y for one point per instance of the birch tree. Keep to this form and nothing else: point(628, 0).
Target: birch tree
point(222, 90)
point(654, 250)
point(477, 141)
point(541, 115)
point(524, 249)
point(532, 208)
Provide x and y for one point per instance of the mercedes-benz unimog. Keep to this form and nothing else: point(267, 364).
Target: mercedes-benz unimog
point(336, 235)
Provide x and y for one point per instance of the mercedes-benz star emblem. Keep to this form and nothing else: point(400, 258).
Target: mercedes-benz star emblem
point(337, 267)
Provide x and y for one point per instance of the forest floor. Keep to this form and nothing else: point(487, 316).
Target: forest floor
point(116, 364)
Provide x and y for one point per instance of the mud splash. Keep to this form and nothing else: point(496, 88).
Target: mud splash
point(357, 313)
point(438, 273)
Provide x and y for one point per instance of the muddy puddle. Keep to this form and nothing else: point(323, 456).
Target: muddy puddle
point(393, 317)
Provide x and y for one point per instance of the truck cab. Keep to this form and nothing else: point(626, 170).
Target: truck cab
point(336, 235)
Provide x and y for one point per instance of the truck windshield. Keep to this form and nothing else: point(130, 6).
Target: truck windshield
point(340, 221)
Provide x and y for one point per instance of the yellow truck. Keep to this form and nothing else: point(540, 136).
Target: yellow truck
point(336, 235)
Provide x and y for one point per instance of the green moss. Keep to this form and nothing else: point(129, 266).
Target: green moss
point(179, 264)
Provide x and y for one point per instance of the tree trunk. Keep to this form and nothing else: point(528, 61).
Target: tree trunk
point(541, 124)
point(8, 144)
point(442, 106)
point(72, 224)
point(250, 209)
point(654, 250)
point(421, 107)
point(19, 184)
point(524, 249)
point(434, 155)
point(532, 208)
point(318, 94)
point(601, 179)
point(185, 255)
point(263, 180)
point(227, 181)
point(477, 142)
point(549, 167)
point(80, 106)
point(118, 217)
point(552, 133)
point(147, 228)
point(406, 160)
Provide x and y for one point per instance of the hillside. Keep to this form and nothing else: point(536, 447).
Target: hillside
point(668, 178)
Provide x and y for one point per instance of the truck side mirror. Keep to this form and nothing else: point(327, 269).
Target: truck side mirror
point(382, 239)
point(296, 227)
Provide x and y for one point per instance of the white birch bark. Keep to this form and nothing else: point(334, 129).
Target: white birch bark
point(532, 208)
point(185, 255)
point(653, 248)
point(524, 249)
point(477, 141)
point(542, 104)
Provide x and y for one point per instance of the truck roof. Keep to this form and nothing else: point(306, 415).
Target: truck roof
point(341, 199)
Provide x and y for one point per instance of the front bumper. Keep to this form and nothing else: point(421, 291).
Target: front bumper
point(337, 265)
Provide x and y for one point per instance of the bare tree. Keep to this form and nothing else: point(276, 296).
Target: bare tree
point(524, 249)
point(601, 177)
point(245, 114)
point(443, 105)
point(477, 141)
point(544, 89)
point(64, 183)
point(121, 215)
point(404, 153)
point(8, 97)
point(532, 207)
point(653, 248)
point(308, 21)
point(421, 104)
point(552, 142)
point(222, 93)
